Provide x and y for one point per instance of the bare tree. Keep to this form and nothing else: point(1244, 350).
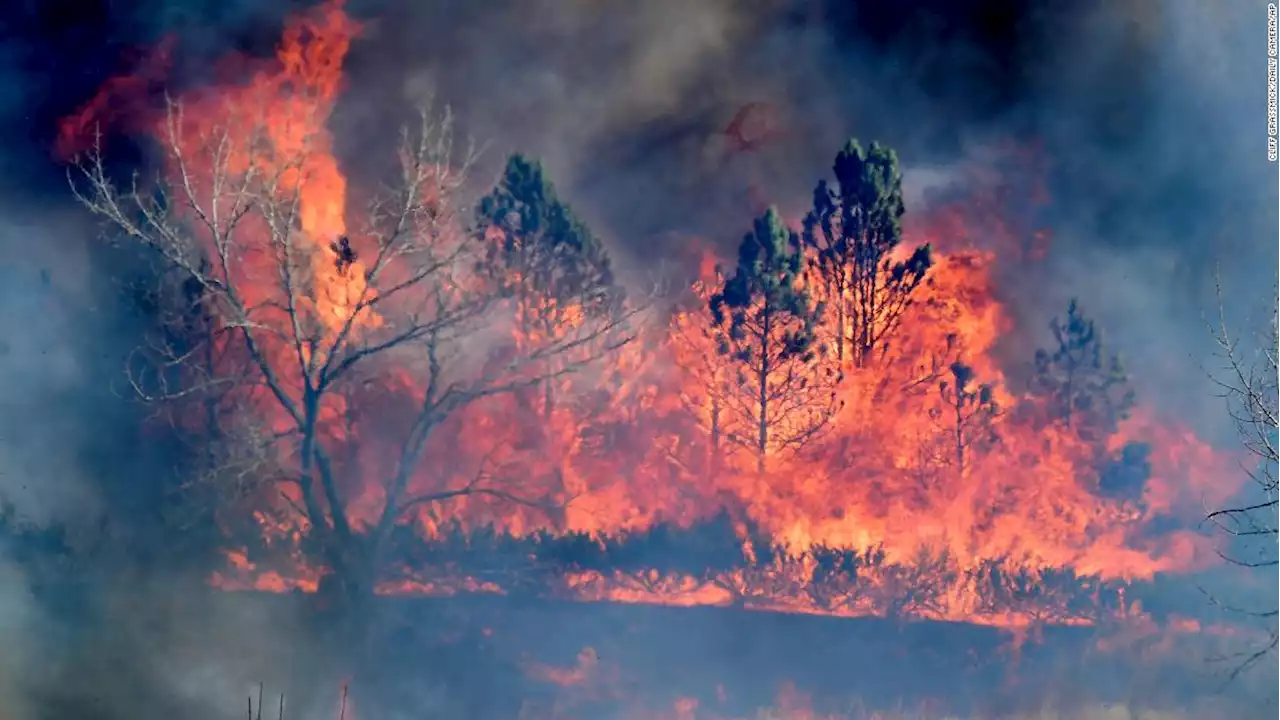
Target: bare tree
point(966, 419)
point(294, 321)
point(1247, 379)
point(695, 343)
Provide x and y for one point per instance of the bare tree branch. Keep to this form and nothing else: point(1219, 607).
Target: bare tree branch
point(270, 322)
point(1247, 380)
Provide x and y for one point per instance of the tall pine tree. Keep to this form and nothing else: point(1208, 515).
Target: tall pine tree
point(546, 256)
point(784, 394)
point(853, 231)
point(969, 417)
point(1083, 385)
point(1085, 388)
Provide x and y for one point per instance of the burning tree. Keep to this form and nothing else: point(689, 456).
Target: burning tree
point(855, 232)
point(969, 412)
point(695, 345)
point(1085, 387)
point(322, 354)
point(558, 271)
point(783, 394)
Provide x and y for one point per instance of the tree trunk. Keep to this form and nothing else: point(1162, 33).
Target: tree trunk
point(713, 451)
point(346, 593)
point(840, 324)
point(548, 395)
point(344, 623)
point(762, 438)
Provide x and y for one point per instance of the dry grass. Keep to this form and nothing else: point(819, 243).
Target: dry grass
point(798, 709)
point(1099, 712)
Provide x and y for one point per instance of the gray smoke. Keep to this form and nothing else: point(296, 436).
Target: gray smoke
point(44, 476)
point(1149, 210)
point(1151, 117)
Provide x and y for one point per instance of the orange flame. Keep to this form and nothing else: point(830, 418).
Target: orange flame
point(631, 446)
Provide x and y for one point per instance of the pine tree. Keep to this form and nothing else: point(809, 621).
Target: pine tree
point(853, 231)
point(784, 393)
point(1085, 387)
point(970, 413)
point(545, 255)
point(696, 344)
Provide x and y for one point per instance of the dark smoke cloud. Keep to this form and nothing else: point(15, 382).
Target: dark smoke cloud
point(1158, 126)
point(71, 451)
point(627, 102)
point(1151, 113)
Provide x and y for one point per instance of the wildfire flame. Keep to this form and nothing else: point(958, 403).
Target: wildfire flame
point(875, 516)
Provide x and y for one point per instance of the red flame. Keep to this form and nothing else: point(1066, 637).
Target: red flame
point(632, 448)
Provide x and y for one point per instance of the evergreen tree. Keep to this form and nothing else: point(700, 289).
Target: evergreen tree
point(970, 414)
point(696, 350)
point(1085, 387)
point(784, 395)
point(544, 254)
point(540, 237)
point(853, 230)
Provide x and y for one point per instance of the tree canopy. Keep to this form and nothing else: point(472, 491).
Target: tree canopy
point(540, 239)
point(1085, 386)
point(769, 327)
point(854, 230)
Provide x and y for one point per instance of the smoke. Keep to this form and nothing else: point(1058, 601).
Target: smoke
point(24, 629)
point(192, 654)
point(96, 619)
point(46, 377)
point(1160, 125)
point(1150, 117)
point(84, 635)
point(46, 456)
point(628, 103)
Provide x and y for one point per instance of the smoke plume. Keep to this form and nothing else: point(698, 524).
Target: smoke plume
point(1150, 118)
